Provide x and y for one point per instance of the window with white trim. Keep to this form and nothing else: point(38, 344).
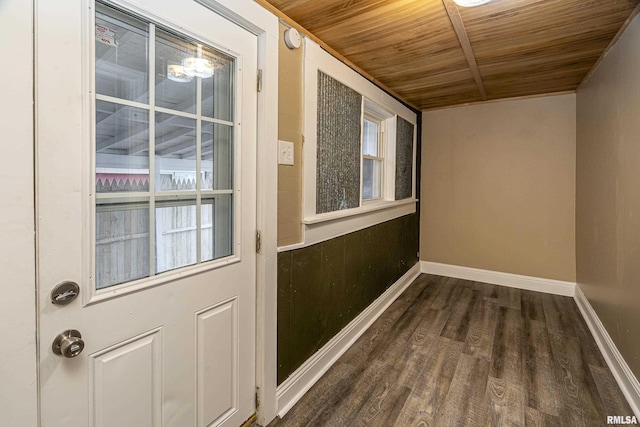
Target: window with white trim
point(357, 164)
point(372, 157)
point(351, 174)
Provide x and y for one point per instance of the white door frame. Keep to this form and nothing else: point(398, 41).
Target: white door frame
point(18, 366)
point(18, 354)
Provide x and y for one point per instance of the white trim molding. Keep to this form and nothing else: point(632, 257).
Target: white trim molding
point(621, 372)
point(294, 387)
point(529, 283)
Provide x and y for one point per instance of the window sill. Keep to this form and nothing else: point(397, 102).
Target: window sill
point(365, 208)
point(328, 226)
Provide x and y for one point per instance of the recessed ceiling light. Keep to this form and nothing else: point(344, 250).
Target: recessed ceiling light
point(470, 3)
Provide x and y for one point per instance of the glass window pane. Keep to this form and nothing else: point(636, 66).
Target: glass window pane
point(174, 88)
point(122, 57)
point(176, 235)
point(122, 243)
point(370, 139)
point(122, 148)
point(371, 179)
point(184, 72)
point(217, 227)
point(217, 91)
point(217, 156)
point(175, 160)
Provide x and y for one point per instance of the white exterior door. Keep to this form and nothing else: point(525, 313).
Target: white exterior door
point(146, 198)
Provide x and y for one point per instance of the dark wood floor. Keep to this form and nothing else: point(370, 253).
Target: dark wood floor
point(451, 352)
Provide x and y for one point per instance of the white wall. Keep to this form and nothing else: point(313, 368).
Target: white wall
point(18, 385)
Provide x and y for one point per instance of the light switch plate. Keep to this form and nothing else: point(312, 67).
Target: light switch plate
point(285, 153)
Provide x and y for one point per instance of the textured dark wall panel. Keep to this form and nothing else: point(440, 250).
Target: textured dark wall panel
point(338, 167)
point(321, 288)
point(404, 159)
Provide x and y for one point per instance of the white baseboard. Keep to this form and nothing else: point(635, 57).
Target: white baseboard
point(622, 373)
point(530, 283)
point(294, 387)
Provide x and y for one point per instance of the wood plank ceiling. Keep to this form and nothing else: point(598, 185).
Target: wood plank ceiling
point(426, 51)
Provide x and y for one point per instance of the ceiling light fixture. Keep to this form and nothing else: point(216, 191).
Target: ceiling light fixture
point(176, 73)
point(470, 3)
point(197, 67)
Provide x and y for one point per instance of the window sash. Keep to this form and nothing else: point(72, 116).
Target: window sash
point(369, 194)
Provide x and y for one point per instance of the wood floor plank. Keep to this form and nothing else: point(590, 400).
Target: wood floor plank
point(466, 401)
point(434, 381)
point(557, 314)
point(453, 352)
point(535, 418)
point(482, 328)
point(432, 323)
point(505, 402)
point(379, 330)
point(532, 307)
point(338, 410)
point(457, 324)
point(488, 291)
point(610, 393)
point(583, 398)
point(402, 375)
point(540, 380)
point(396, 408)
point(509, 297)
point(588, 348)
point(446, 296)
point(506, 355)
point(389, 351)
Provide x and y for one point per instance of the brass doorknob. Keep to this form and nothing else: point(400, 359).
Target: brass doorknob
point(68, 344)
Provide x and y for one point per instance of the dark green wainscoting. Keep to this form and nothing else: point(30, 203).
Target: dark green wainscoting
point(321, 288)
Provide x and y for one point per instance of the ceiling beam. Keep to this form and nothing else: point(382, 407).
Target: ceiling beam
point(303, 31)
point(461, 32)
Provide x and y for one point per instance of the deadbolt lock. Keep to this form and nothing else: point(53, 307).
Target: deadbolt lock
point(64, 293)
point(68, 344)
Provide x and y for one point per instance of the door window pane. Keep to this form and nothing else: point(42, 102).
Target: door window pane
point(217, 222)
point(217, 91)
point(174, 88)
point(175, 153)
point(122, 148)
point(176, 236)
point(122, 63)
point(217, 156)
point(186, 217)
point(122, 243)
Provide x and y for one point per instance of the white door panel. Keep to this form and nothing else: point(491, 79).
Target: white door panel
point(169, 333)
